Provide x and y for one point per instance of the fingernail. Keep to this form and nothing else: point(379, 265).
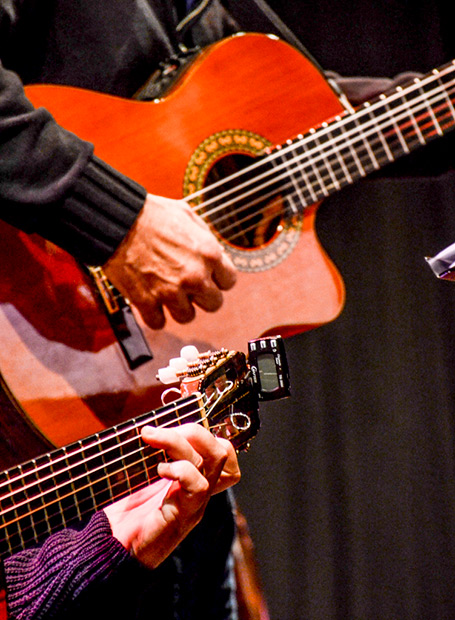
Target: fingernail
point(163, 469)
point(148, 430)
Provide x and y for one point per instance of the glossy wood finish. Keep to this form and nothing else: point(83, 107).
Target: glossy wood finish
point(58, 355)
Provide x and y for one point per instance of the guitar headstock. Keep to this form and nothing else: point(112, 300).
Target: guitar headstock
point(231, 386)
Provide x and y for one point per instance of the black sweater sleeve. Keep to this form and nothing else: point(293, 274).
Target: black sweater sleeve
point(51, 183)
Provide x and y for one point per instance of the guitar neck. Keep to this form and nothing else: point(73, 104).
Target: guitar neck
point(352, 145)
point(69, 484)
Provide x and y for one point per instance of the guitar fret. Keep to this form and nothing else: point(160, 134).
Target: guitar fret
point(9, 530)
point(95, 466)
point(409, 134)
point(346, 129)
point(440, 107)
point(445, 121)
point(323, 140)
point(371, 162)
point(413, 118)
point(61, 488)
point(67, 463)
point(430, 110)
point(340, 156)
point(152, 460)
point(348, 160)
point(32, 525)
point(373, 146)
point(109, 455)
point(3, 538)
point(295, 183)
point(311, 166)
point(118, 479)
point(298, 154)
point(407, 106)
point(90, 500)
point(382, 147)
point(16, 527)
point(421, 118)
point(144, 455)
point(290, 157)
point(394, 135)
point(81, 495)
point(165, 419)
point(26, 525)
point(54, 487)
point(44, 526)
point(130, 459)
point(335, 134)
point(68, 505)
point(37, 506)
point(442, 79)
point(12, 539)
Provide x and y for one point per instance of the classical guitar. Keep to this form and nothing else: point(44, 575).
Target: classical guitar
point(253, 137)
point(218, 389)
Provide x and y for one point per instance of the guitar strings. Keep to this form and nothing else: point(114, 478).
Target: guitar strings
point(368, 158)
point(353, 163)
point(74, 491)
point(409, 106)
point(43, 508)
point(388, 120)
point(327, 182)
point(325, 128)
point(327, 154)
point(28, 533)
point(104, 435)
point(365, 161)
point(356, 135)
point(130, 426)
point(30, 530)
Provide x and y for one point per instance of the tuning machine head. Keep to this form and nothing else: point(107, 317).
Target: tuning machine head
point(190, 364)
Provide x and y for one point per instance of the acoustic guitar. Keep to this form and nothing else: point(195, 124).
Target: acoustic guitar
point(253, 137)
point(219, 389)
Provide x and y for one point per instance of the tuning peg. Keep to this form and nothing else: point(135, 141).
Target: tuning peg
point(179, 363)
point(167, 375)
point(190, 353)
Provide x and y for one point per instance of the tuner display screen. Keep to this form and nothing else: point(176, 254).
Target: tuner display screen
point(267, 372)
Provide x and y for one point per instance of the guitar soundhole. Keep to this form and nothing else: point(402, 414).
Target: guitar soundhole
point(245, 211)
point(246, 197)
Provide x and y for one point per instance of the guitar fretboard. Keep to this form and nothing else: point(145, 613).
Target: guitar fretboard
point(353, 145)
point(67, 485)
point(337, 153)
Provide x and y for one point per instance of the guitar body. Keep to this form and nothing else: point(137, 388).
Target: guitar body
point(60, 361)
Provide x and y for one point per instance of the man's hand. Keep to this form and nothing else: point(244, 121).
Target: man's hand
point(170, 258)
point(152, 522)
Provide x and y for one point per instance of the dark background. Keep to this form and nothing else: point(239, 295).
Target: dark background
point(349, 488)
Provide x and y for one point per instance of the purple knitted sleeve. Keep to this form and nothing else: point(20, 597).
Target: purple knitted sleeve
point(41, 582)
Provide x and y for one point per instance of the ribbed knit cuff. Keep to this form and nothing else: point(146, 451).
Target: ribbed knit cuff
point(94, 220)
point(42, 582)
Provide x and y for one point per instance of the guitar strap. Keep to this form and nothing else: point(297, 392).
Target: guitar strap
point(250, 16)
